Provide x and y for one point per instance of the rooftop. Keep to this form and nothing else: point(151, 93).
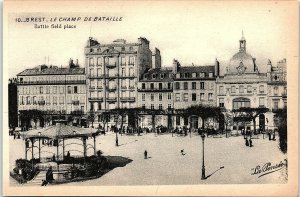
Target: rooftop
point(51, 70)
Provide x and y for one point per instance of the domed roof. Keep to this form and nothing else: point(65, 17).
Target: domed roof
point(241, 62)
point(245, 59)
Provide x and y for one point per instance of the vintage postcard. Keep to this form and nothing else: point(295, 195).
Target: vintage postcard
point(150, 98)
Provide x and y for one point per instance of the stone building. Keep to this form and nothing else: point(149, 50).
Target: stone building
point(54, 91)
point(243, 85)
point(113, 71)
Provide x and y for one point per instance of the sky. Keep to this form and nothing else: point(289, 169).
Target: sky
point(193, 32)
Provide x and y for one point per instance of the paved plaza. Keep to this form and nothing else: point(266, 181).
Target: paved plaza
point(166, 165)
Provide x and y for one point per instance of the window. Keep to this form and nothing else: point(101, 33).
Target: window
point(185, 85)
point(210, 96)
point(91, 106)
point(177, 85)
point(194, 96)
point(54, 100)
point(202, 75)
point(284, 91)
point(201, 85)
point(152, 106)
point(130, 48)
point(261, 89)
point(123, 49)
point(194, 75)
point(91, 62)
point(99, 63)
point(152, 86)
point(54, 89)
point(99, 72)
point(249, 89)
point(169, 96)
point(131, 60)
point(162, 76)
point(211, 85)
point(193, 85)
point(143, 86)
point(241, 102)
point(131, 72)
point(69, 90)
point(160, 106)
point(177, 120)
point(143, 106)
point(169, 106)
point(221, 102)
point(153, 76)
point(92, 72)
point(34, 101)
point(186, 75)
point(201, 96)
point(75, 89)
point(160, 86)
point(160, 97)
point(41, 90)
point(177, 97)
point(169, 85)
point(61, 90)
point(99, 105)
point(210, 75)
point(61, 100)
point(185, 97)
point(143, 97)
point(232, 89)
point(261, 102)
point(123, 72)
point(21, 100)
point(47, 90)
point(28, 100)
point(152, 97)
point(275, 91)
point(241, 89)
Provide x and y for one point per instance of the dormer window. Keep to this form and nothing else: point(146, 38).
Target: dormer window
point(162, 76)
point(123, 48)
point(210, 75)
point(98, 50)
point(91, 50)
point(186, 75)
point(130, 48)
point(194, 75)
point(153, 76)
point(145, 76)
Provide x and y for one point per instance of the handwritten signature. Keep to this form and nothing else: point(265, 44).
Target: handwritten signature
point(268, 168)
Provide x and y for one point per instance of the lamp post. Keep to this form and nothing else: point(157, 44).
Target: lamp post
point(40, 146)
point(117, 141)
point(203, 166)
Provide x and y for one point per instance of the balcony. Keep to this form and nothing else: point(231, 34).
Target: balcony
point(75, 102)
point(111, 99)
point(155, 90)
point(111, 88)
point(100, 99)
point(111, 65)
point(41, 102)
point(127, 99)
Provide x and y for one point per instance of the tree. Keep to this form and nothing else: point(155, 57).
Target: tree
point(281, 122)
point(203, 111)
point(247, 113)
point(228, 120)
point(91, 118)
point(104, 117)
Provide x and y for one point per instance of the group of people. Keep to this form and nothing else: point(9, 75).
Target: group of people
point(247, 136)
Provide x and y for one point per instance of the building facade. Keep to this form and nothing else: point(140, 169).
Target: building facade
point(52, 90)
point(113, 71)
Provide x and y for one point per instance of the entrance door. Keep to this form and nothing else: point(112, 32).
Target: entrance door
point(194, 122)
point(221, 122)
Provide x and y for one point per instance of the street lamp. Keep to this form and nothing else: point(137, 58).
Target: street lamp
point(203, 166)
point(117, 141)
point(40, 146)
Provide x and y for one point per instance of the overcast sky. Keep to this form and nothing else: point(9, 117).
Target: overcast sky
point(192, 33)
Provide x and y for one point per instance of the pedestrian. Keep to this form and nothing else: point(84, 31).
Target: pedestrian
point(269, 134)
point(49, 175)
point(250, 142)
point(44, 182)
point(246, 142)
point(145, 154)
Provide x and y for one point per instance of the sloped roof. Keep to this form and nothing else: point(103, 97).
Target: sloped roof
point(52, 71)
point(59, 131)
point(196, 69)
point(157, 72)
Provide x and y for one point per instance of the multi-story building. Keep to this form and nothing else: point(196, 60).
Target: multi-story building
point(243, 85)
point(12, 103)
point(113, 71)
point(194, 85)
point(52, 90)
point(156, 93)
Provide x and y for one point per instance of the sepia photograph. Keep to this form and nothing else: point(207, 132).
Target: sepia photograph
point(150, 98)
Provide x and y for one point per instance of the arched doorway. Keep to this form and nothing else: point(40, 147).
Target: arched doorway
point(261, 123)
point(194, 122)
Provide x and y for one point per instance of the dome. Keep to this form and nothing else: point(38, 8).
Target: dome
point(241, 59)
point(241, 62)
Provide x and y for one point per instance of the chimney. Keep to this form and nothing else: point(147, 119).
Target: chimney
point(217, 68)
